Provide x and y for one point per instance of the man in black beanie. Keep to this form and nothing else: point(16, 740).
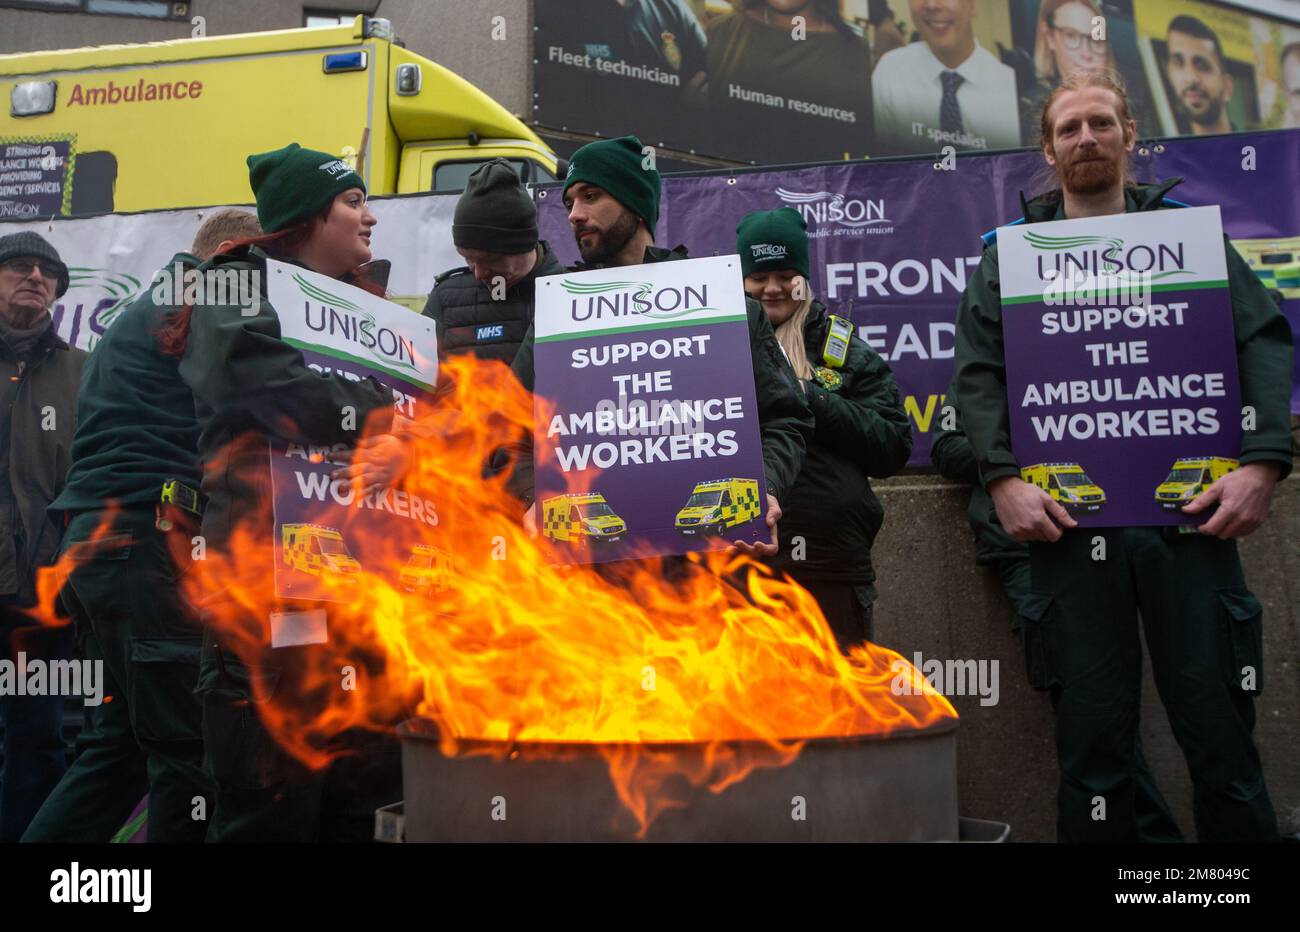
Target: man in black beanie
point(486, 306)
point(39, 376)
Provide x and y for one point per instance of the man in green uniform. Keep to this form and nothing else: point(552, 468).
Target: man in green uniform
point(1202, 625)
point(613, 201)
point(951, 454)
point(136, 434)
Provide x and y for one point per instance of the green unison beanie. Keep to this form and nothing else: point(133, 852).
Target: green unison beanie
point(768, 240)
point(293, 183)
point(615, 166)
point(495, 214)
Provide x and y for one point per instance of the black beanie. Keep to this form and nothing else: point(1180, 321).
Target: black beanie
point(20, 245)
point(496, 213)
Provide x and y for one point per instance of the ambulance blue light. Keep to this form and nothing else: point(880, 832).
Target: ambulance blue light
point(346, 61)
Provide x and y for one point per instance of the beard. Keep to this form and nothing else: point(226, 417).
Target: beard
point(608, 243)
point(1208, 116)
point(1091, 176)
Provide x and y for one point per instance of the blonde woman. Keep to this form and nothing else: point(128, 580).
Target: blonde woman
point(831, 516)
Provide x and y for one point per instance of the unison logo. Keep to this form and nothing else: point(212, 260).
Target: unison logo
point(94, 299)
point(1104, 255)
point(335, 168)
point(595, 301)
point(763, 251)
point(339, 317)
point(828, 207)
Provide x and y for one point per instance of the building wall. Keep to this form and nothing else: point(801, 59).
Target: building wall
point(34, 30)
point(465, 36)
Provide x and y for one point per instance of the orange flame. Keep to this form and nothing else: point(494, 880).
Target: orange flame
point(635, 656)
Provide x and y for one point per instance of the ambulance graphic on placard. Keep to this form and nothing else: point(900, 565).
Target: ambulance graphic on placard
point(579, 517)
point(428, 571)
point(1068, 484)
point(318, 551)
point(1189, 477)
point(717, 505)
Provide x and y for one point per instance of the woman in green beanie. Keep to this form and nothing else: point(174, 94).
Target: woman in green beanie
point(250, 386)
point(831, 516)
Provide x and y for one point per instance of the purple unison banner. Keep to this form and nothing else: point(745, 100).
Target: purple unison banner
point(646, 439)
point(325, 532)
point(1121, 362)
point(893, 242)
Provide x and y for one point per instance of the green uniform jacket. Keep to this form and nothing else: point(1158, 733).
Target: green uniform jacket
point(249, 387)
point(135, 417)
point(861, 431)
point(1263, 339)
point(42, 419)
point(951, 454)
point(784, 421)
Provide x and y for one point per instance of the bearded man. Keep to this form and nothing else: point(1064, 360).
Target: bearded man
point(1202, 624)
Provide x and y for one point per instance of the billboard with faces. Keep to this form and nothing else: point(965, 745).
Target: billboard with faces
point(783, 81)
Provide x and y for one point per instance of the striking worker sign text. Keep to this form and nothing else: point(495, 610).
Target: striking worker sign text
point(1121, 363)
point(647, 429)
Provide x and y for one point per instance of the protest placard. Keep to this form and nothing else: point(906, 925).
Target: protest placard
point(1121, 363)
point(646, 440)
point(323, 527)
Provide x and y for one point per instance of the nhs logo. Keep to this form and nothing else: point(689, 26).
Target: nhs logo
point(490, 332)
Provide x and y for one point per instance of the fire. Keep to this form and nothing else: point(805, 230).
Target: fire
point(633, 658)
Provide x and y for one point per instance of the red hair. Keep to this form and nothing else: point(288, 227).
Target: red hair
point(174, 333)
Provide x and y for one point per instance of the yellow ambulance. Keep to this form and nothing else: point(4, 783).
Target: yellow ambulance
point(318, 550)
point(428, 571)
point(717, 505)
point(1189, 477)
point(581, 516)
point(169, 124)
point(1068, 484)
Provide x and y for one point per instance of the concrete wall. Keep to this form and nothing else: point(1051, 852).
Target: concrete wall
point(933, 599)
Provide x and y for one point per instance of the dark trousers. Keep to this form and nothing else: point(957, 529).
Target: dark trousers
point(1155, 821)
point(1203, 633)
point(263, 793)
point(34, 753)
point(129, 615)
point(848, 610)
